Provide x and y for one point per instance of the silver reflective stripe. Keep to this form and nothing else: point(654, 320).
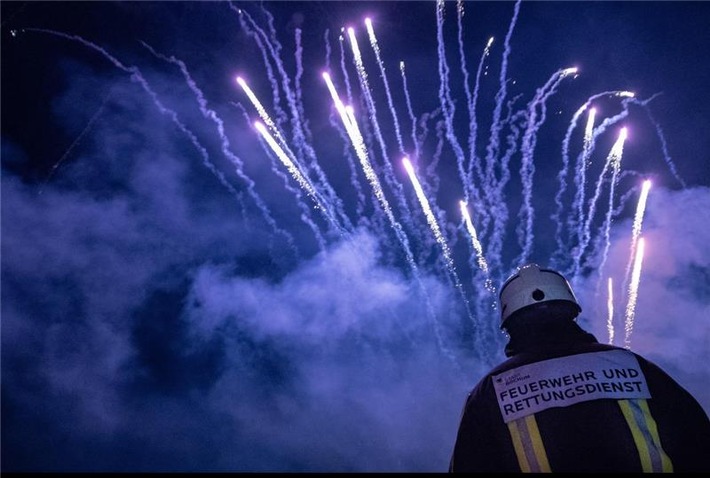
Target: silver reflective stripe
point(528, 445)
point(645, 432)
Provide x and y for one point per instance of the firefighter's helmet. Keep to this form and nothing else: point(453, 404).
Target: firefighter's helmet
point(530, 286)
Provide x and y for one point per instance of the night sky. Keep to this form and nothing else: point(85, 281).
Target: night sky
point(177, 295)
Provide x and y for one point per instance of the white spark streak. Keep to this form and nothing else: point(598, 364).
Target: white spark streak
point(636, 229)
point(474, 238)
point(610, 308)
point(259, 107)
point(281, 154)
point(640, 209)
point(633, 293)
point(588, 132)
point(431, 219)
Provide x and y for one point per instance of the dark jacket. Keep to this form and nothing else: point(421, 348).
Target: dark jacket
point(668, 431)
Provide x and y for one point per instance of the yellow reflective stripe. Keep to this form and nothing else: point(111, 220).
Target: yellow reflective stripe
point(538, 446)
point(645, 432)
point(528, 445)
point(638, 436)
point(666, 463)
point(518, 445)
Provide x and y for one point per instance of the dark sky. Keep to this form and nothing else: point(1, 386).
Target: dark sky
point(177, 295)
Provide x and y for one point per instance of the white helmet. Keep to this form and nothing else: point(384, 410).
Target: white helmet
point(531, 285)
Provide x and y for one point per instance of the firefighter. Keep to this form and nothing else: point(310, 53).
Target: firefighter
point(563, 402)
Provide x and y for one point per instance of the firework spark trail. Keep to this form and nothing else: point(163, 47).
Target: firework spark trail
point(263, 114)
point(423, 124)
point(494, 141)
point(88, 126)
point(467, 90)
point(361, 151)
point(303, 148)
point(562, 175)
point(360, 203)
point(636, 228)
point(448, 108)
point(431, 217)
point(433, 180)
point(610, 310)
point(298, 55)
point(621, 206)
point(588, 130)
point(388, 171)
point(137, 76)
point(344, 70)
point(359, 194)
point(298, 94)
point(306, 211)
point(431, 187)
point(348, 88)
point(266, 118)
point(480, 258)
point(484, 289)
point(582, 165)
point(381, 65)
point(633, 293)
point(272, 29)
point(339, 106)
point(286, 160)
point(328, 49)
point(410, 110)
point(378, 217)
point(613, 162)
point(275, 168)
point(445, 250)
point(302, 181)
point(474, 160)
point(632, 192)
point(664, 145)
point(365, 88)
point(617, 151)
point(527, 168)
